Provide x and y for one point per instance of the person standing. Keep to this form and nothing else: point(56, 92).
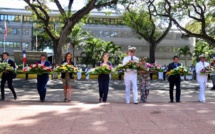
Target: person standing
point(79, 73)
point(130, 76)
point(104, 79)
point(7, 76)
point(67, 78)
point(213, 78)
point(144, 82)
point(87, 76)
point(174, 80)
point(164, 72)
point(202, 78)
point(42, 79)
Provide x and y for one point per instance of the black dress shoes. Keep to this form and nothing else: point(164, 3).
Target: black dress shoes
point(15, 98)
point(171, 101)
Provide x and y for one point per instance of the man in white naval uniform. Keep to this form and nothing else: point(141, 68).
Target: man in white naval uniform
point(130, 76)
point(202, 79)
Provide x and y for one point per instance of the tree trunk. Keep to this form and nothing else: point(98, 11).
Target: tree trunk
point(185, 58)
point(152, 48)
point(73, 52)
point(57, 49)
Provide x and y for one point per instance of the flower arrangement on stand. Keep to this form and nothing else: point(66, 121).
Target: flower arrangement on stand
point(4, 66)
point(181, 70)
point(66, 68)
point(102, 69)
point(37, 69)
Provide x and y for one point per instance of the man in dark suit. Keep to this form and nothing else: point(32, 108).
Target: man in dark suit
point(42, 79)
point(174, 80)
point(8, 76)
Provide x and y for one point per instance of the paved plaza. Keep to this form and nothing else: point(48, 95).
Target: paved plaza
point(84, 115)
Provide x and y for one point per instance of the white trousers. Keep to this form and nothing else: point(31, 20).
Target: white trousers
point(202, 80)
point(79, 75)
point(128, 80)
point(87, 77)
point(160, 75)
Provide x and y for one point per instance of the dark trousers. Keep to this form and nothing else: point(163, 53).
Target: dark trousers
point(164, 75)
point(151, 76)
point(119, 77)
point(10, 86)
point(174, 80)
point(41, 85)
point(103, 80)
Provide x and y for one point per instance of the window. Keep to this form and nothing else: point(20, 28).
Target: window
point(13, 18)
point(25, 45)
point(105, 21)
point(27, 18)
point(9, 30)
point(1, 44)
point(1, 30)
point(25, 31)
point(18, 45)
point(7, 44)
point(11, 44)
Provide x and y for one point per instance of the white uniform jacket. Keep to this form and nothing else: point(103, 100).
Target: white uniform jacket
point(126, 60)
point(199, 67)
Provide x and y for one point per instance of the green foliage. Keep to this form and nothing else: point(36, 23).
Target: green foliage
point(43, 39)
point(95, 48)
point(199, 13)
point(141, 24)
point(68, 18)
point(203, 47)
point(153, 29)
point(185, 51)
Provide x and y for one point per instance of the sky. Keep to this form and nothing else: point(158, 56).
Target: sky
point(20, 4)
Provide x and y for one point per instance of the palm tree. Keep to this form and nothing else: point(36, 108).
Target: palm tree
point(77, 37)
point(92, 51)
point(95, 48)
point(185, 51)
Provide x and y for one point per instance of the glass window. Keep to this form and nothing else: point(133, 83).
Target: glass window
point(3, 17)
point(25, 45)
point(1, 30)
point(15, 31)
point(1, 43)
point(7, 44)
point(25, 31)
point(27, 18)
point(9, 30)
point(13, 18)
point(11, 45)
point(18, 45)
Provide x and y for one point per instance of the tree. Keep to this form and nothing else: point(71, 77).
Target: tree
point(202, 47)
point(115, 53)
point(185, 51)
point(152, 29)
point(95, 48)
point(92, 52)
point(200, 14)
point(78, 37)
point(43, 39)
point(68, 19)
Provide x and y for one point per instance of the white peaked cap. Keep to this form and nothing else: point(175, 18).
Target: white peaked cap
point(202, 55)
point(132, 48)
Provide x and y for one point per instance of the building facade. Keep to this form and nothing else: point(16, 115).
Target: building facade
point(100, 25)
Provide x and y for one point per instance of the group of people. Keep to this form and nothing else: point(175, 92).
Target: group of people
point(130, 79)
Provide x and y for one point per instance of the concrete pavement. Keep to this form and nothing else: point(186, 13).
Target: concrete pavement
point(85, 116)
